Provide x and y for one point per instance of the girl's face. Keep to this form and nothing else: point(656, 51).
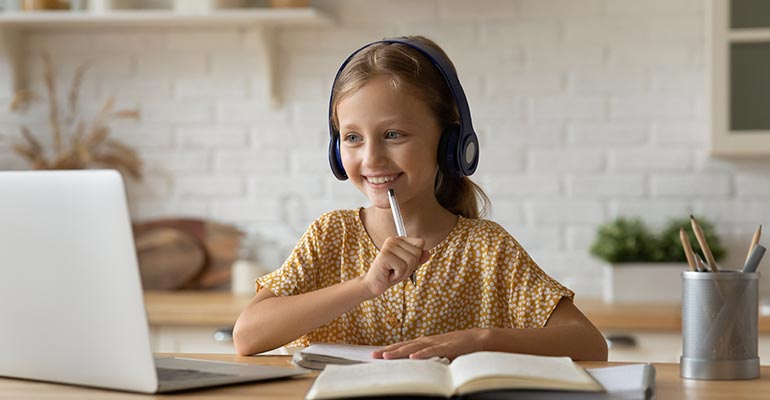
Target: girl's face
point(389, 140)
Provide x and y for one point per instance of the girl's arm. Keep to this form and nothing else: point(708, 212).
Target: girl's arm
point(567, 333)
point(270, 321)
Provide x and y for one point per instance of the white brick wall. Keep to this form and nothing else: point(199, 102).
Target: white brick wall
point(586, 110)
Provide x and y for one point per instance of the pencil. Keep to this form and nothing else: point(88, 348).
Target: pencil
point(704, 246)
point(687, 250)
point(754, 242)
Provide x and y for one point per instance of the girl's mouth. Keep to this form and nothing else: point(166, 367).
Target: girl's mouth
point(381, 181)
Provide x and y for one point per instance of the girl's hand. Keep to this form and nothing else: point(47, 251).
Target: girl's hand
point(449, 345)
point(397, 260)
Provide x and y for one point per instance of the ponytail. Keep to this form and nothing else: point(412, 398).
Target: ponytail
point(461, 196)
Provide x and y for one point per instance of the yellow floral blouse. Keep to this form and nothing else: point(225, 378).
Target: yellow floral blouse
point(478, 276)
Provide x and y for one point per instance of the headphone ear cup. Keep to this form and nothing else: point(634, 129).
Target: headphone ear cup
point(448, 161)
point(468, 154)
point(335, 160)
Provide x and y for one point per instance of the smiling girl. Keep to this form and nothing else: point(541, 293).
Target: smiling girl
point(393, 113)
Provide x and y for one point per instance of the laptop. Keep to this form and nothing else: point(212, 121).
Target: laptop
point(71, 301)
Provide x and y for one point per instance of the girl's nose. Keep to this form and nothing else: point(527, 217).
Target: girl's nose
point(374, 155)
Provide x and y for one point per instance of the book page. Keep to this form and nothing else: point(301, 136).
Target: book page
point(415, 377)
point(497, 370)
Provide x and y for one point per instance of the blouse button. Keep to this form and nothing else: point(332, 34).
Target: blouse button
point(394, 322)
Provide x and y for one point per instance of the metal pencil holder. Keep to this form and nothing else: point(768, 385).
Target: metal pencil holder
point(719, 325)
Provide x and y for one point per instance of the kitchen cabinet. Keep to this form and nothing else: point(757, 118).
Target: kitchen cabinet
point(190, 339)
point(192, 322)
point(739, 77)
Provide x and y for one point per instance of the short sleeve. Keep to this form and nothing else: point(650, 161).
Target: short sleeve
point(295, 275)
point(534, 294)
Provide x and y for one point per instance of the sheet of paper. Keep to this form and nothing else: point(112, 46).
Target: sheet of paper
point(629, 379)
point(346, 351)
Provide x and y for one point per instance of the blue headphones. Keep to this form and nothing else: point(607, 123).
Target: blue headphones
point(458, 150)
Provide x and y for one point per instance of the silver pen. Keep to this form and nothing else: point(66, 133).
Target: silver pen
point(400, 229)
point(756, 256)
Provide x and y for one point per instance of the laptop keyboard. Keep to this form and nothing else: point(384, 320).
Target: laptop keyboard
point(176, 375)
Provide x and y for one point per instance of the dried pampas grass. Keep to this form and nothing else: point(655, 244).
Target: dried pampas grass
point(76, 145)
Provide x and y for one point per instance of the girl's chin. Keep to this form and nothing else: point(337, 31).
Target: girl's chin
point(379, 201)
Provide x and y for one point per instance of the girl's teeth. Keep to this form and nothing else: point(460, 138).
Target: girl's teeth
point(378, 180)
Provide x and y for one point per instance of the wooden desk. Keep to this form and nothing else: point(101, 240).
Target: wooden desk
point(668, 385)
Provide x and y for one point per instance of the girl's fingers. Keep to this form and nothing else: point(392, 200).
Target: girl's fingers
point(398, 259)
point(428, 352)
point(403, 253)
point(401, 256)
point(388, 348)
point(396, 264)
point(403, 349)
point(413, 255)
point(402, 243)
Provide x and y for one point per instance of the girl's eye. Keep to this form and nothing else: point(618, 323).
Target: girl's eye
point(352, 138)
point(392, 135)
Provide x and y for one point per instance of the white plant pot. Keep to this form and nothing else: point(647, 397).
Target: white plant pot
point(643, 282)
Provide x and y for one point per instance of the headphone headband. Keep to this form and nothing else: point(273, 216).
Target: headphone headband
point(461, 149)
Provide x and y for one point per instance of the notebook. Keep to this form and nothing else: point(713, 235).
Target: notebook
point(72, 309)
point(317, 356)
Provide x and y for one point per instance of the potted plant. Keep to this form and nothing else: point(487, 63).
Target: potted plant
point(76, 144)
point(643, 266)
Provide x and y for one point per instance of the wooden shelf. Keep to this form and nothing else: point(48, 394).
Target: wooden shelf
point(222, 308)
point(13, 25)
point(748, 35)
point(164, 18)
point(193, 308)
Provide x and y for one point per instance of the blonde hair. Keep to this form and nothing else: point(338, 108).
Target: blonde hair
point(410, 70)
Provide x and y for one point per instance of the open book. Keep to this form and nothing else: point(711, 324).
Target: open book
point(469, 373)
